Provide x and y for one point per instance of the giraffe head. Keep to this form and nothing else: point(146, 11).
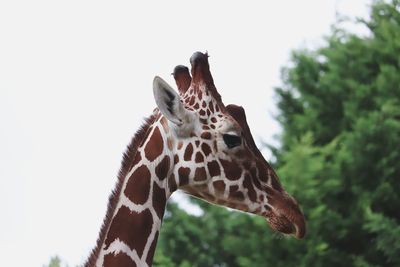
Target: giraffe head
point(215, 156)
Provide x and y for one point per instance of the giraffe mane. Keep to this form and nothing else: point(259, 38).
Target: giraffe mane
point(127, 161)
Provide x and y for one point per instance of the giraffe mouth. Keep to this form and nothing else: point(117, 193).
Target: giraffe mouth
point(284, 215)
point(282, 224)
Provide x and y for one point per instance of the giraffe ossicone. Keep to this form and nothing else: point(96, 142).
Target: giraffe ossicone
point(194, 143)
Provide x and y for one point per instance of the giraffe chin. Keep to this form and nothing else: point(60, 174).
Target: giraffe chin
point(285, 225)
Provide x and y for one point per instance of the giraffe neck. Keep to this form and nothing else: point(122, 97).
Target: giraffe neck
point(133, 231)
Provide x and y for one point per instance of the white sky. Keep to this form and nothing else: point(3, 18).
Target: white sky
point(75, 83)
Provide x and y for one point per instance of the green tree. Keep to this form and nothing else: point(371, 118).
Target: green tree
point(54, 262)
point(340, 110)
point(339, 156)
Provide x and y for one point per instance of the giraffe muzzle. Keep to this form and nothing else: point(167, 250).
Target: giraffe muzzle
point(291, 226)
point(285, 215)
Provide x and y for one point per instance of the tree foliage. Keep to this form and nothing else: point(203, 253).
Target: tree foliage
point(54, 262)
point(339, 156)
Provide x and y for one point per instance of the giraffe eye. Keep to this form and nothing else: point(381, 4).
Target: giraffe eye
point(232, 140)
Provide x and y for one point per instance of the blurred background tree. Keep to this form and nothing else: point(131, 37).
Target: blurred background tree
point(339, 156)
point(54, 262)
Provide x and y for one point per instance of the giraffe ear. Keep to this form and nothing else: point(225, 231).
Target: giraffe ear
point(168, 101)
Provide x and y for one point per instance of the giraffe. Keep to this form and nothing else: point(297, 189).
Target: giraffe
point(194, 143)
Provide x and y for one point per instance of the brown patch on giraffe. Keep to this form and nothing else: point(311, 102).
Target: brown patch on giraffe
point(205, 127)
point(120, 259)
point(254, 173)
point(257, 183)
point(199, 157)
point(196, 106)
point(206, 149)
point(137, 159)
point(206, 135)
point(216, 108)
point(147, 135)
point(232, 169)
point(170, 143)
point(192, 99)
point(213, 120)
point(180, 145)
point(202, 112)
point(215, 146)
point(211, 106)
point(208, 112)
point(183, 176)
point(197, 143)
point(172, 183)
point(204, 121)
point(213, 168)
point(138, 186)
point(176, 159)
point(150, 254)
point(130, 227)
point(163, 168)
point(200, 174)
point(164, 123)
point(237, 196)
point(262, 172)
point(159, 200)
point(154, 147)
point(243, 153)
point(275, 183)
point(233, 188)
point(250, 189)
point(222, 202)
point(246, 165)
point(188, 152)
point(196, 190)
point(212, 126)
point(204, 104)
point(219, 186)
point(208, 196)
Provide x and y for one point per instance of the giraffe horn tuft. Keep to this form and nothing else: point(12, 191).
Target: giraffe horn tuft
point(201, 69)
point(201, 73)
point(182, 78)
